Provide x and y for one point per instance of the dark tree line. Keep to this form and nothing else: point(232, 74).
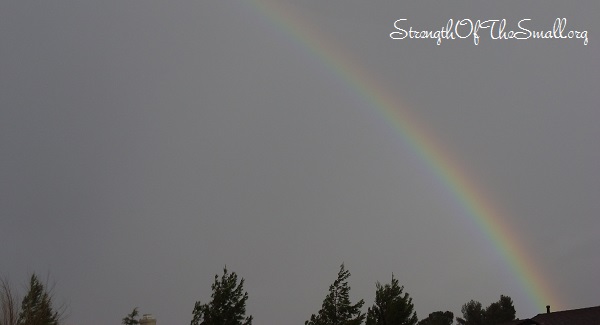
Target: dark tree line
point(227, 306)
point(392, 306)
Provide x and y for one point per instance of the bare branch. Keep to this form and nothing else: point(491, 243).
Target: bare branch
point(9, 304)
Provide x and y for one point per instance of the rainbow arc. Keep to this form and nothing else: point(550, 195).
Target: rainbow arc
point(443, 164)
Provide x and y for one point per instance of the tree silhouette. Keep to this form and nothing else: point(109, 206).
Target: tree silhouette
point(228, 304)
point(9, 304)
point(472, 314)
point(336, 308)
point(391, 307)
point(131, 319)
point(36, 308)
point(499, 312)
point(438, 318)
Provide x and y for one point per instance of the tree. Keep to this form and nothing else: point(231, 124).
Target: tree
point(391, 307)
point(228, 304)
point(336, 308)
point(438, 318)
point(131, 319)
point(472, 314)
point(499, 312)
point(36, 308)
point(9, 304)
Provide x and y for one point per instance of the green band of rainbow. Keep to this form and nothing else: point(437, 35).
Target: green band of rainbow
point(441, 161)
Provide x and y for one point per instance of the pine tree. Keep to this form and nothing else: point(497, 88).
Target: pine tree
point(499, 312)
point(228, 304)
point(336, 308)
point(131, 319)
point(438, 318)
point(391, 307)
point(36, 308)
point(473, 314)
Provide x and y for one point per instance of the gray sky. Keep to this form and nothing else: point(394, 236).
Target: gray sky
point(147, 144)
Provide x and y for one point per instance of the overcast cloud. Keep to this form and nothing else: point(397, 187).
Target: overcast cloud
point(147, 144)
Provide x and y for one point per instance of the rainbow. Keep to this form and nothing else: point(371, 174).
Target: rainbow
point(446, 168)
